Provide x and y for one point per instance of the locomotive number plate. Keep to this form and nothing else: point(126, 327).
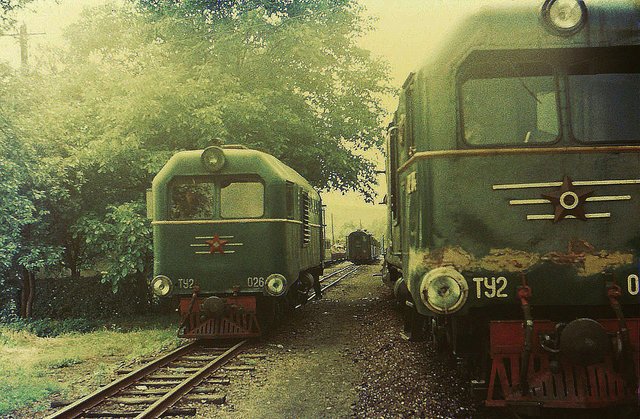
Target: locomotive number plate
point(186, 283)
point(491, 287)
point(255, 282)
point(633, 284)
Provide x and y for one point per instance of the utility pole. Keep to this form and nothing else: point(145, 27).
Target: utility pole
point(333, 237)
point(23, 39)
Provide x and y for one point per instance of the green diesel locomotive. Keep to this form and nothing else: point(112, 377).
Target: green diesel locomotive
point(513, 168)
point(237, 239)
point(362, 247)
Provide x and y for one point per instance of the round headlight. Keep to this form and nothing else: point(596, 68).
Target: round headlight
point(565, 17)
point(444, 290)
point(275, 285)
point(161, 286)
point(213, 158)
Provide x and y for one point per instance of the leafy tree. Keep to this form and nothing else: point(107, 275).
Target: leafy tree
point(25, 243)
point(137, 85)
point(7, 7)
point(289, 80)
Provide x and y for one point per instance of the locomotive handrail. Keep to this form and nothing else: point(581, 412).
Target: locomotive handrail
point(516, 151)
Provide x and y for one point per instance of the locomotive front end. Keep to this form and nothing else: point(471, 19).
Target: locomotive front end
point(515, 189)
point(225, 230)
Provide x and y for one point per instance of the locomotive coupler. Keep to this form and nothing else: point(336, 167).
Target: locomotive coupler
point(524, 294)
point(194, 296)
point(550, 343)
point(626, 357)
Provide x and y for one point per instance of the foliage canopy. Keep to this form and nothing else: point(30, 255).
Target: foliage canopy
point(143, 81)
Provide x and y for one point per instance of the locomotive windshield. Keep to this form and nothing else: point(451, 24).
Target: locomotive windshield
point(510, 103)
point(604, 99)
point(206, 197)
point(505, 103)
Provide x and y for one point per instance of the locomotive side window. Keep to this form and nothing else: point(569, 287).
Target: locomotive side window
point(510, 105)
point(605, 100)
point(241, 199)
point(192, 198)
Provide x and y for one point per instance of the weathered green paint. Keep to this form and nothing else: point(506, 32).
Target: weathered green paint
point(447, 210)
point(270, 244)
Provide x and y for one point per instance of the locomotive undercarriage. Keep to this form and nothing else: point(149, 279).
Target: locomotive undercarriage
point(237, 315)
point(577, 357)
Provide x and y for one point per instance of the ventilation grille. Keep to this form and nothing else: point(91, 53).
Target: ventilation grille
point(306, 228)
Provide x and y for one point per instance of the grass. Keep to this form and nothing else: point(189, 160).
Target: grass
point(33, 368)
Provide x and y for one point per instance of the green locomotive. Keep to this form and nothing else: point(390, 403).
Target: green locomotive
point(513, 168)
point(237, 239)
point(362, 247)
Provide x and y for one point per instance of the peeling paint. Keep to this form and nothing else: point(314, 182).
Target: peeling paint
point(587, 260)
point(594, 264)
point(509, 260)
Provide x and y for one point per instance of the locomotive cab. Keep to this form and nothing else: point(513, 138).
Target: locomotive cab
point(236, 238)
point(513, 201)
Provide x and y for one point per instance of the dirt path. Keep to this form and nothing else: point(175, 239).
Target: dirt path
point(343, 356)
point(309, 370)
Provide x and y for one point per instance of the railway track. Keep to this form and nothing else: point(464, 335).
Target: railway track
point(340, 273)
point(151, 390)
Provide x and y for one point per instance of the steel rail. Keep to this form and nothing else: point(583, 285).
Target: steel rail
point(169, 399)
point(336, 272)
point(75, 409)
point(335, 281)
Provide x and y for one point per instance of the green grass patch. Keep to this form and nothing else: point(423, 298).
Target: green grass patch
point(32, 368)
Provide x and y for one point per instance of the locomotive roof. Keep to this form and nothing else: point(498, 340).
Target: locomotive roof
point(519, 26)
point(239, 161)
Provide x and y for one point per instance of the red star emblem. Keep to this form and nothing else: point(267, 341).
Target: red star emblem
point(216, 244)
point(568, 201)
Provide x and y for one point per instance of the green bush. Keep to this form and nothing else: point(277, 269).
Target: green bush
point(48, 328)
point(89, 298)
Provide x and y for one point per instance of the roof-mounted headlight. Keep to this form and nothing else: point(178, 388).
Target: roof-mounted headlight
point(444, 290)
point(275, 285)
point(161, 286)
point(213, 158)
point(564, 17)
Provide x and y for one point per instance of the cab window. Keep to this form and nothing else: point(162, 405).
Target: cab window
point(243, 199)
point(192, 198)
point(604, 99)
point(208, 197)
point(510, 104)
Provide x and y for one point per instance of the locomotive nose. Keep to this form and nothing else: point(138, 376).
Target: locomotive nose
point(584, 341)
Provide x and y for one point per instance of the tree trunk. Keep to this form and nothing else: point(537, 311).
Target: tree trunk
point(142, 290)
point(31, 294)
point(27, 293)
